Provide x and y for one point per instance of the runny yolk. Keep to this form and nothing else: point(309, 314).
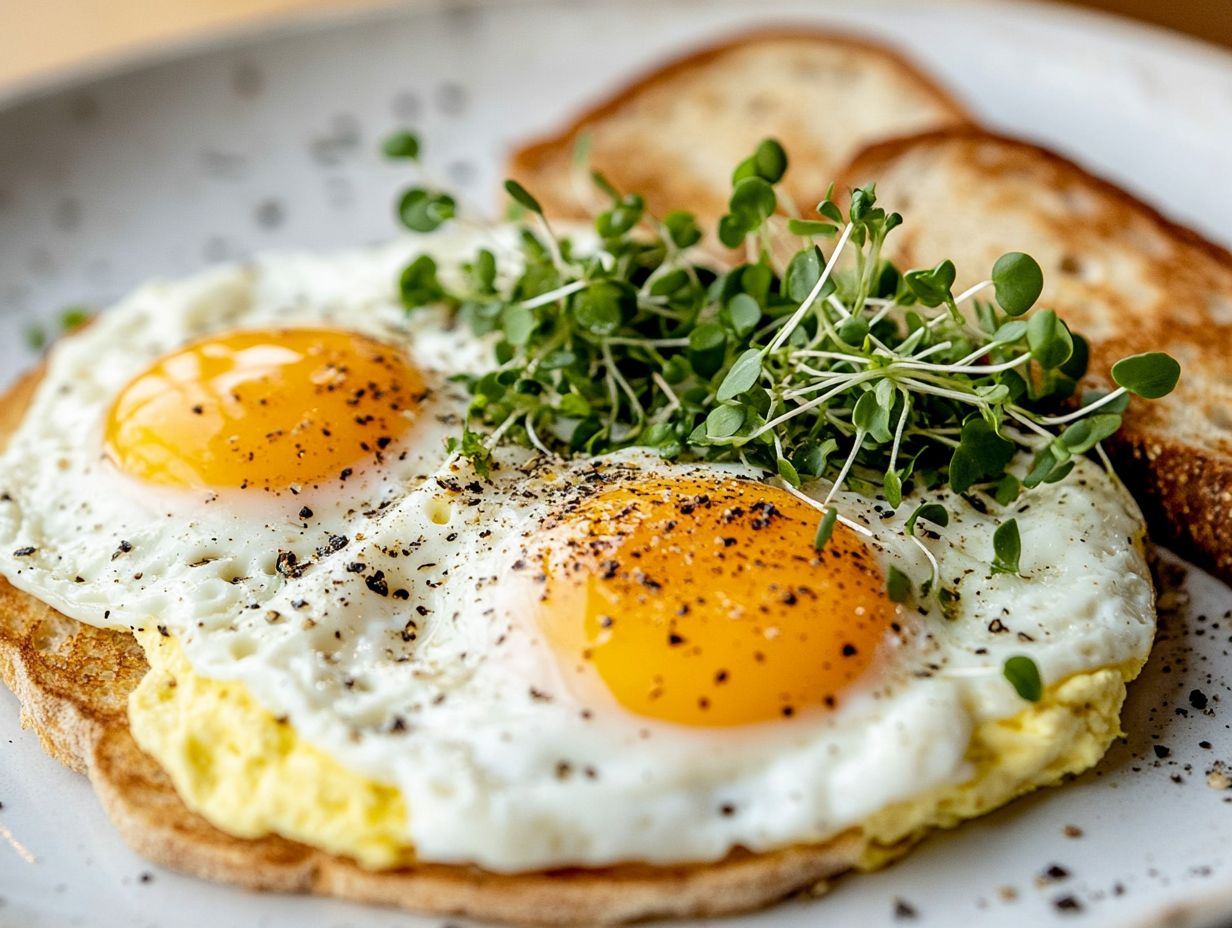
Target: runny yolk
point(703, 602)
point(268, 408)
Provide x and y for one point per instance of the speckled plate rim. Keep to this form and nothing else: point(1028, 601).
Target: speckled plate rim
point(1206, 908)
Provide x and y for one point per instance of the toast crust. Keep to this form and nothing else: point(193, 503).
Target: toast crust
point(1175, 454)
point(73, 682)
point(544, 165)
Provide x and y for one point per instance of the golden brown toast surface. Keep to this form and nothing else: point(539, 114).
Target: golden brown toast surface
point(1117, 271)
point(676, 134)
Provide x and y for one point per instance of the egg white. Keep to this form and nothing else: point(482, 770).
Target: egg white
point(435, 679)
point(113, 551)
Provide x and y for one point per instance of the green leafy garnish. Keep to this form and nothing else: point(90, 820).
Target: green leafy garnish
point(1007, 548)
point(1024, 676)
point(826, 363)
point(1150, 375)
point(898, 585)
point(401, 145)
point(825, 528)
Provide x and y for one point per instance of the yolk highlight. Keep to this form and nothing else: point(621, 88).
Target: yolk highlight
point(703, 602)
point(265, 408)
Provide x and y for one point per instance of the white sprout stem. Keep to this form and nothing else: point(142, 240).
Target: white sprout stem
point(1103, 456)
point(822, 508)
point(960, 367)
point(898, 432)
point(553, 295)
point(825, 378)
point(494, 439)
point(887, 306)
point(785, 332)
point(553, 246)
point(624, 384)
point(652, 342)
point(534, 438)
point(927, 352)
point(851, 381)
point(1012, 411)
point(956, 395)
point(838, 306)
point(673, 401)
point(831, 356)
point(1079, 413)
point(935, 568)
point(972, 291)
point(851, 459)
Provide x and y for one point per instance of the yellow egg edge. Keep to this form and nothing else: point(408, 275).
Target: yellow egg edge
point(250, 775)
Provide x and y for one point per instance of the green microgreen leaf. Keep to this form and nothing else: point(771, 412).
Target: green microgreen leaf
point(35, 336)
point(875, 380)
point(1007, 548)
point(1149, 375)
point(803, 272)
point(522, 197)
point(598, 309)
point(899, 587)
point(741, 314)
point(932, 286)
point(624, 215)
point(1085, 434)
point(518, 323)
point(752, 202)
point(1049, 339)
point(788, 472)
point(1018, 281)
point(771, 161)
point(981, 454)
point(929, 512)
point(742, 375)
point(1007, 489)
point(825, 528)
point(402, 144)
point(1024, 676)
point(892, 486)
point(732, 231)
point(682, 228)
point(808, 228)
point(419, 285)
point(73, 317)
point(424, 211)
point(724, 421)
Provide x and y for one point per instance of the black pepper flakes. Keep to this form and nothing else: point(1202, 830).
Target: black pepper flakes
point(904, 910)
point(377, 583)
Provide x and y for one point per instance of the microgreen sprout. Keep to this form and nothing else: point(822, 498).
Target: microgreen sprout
point(1024, 676)
point(833, 365)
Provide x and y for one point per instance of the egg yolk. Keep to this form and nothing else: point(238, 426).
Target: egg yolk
point(270, 409)
point(704, 602)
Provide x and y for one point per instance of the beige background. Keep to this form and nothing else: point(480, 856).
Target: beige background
point(40, 38)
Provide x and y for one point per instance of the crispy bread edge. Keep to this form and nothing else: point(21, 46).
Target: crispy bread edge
point(536, 154)
point(1185, 492)
point(73, 682)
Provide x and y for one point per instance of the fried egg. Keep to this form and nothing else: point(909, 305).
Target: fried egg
point(211, 437)
point(567, 663)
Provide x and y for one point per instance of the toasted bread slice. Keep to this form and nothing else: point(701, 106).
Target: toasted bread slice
point(73, 682)
point(675, 134)
point(1118, 272)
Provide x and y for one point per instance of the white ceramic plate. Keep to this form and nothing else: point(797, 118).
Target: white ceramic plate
point(271, 142)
